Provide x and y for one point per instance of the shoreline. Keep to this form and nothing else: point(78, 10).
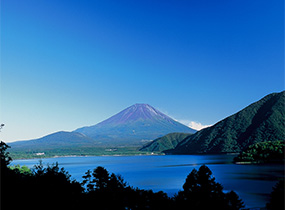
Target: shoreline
point(118, 155)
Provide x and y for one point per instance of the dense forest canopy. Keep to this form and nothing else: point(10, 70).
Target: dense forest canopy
point(263, 152)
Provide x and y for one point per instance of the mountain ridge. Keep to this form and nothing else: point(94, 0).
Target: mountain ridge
point(263, 120)
point(60, 139)
point(138, 122)
point(134, 112)
point(131, 127)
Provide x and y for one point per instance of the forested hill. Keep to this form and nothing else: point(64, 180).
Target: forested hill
point(261, 121)
point(166, 142)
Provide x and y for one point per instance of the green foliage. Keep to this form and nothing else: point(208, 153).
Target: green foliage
point(84, 151)
point(260, 121)
point(5, 158)
point(166, 142)
point(269, 151)
point(21, 169)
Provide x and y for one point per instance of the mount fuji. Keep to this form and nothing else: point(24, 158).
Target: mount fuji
point(133, 126)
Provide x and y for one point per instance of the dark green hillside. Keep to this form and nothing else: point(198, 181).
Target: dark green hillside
point(261, 121)
point(166, 142)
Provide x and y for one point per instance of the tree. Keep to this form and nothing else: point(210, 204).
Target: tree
point(52, 187)
point(233, 201)
point(100, 178)
point(87, 181)
point(277, 197)
point(112, 192)
point(5, 173)
point(116, 183)
point(201, 191)
point(262, 152)
point(5, 158)
point(55, 184)
point(21, 169)
point(107, 191)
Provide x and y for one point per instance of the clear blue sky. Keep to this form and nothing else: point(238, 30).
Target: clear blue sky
point(71, 63)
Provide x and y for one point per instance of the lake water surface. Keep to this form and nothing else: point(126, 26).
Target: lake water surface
point(253, 183)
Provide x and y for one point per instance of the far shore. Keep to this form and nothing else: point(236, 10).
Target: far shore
point(115, 155)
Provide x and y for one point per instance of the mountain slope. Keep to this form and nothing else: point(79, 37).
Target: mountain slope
point(166, 142)
point(134, 125)
point(131, 127)
point(263, 120)
point(57, 140)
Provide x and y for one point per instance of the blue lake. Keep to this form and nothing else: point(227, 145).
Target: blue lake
point(253, 183)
